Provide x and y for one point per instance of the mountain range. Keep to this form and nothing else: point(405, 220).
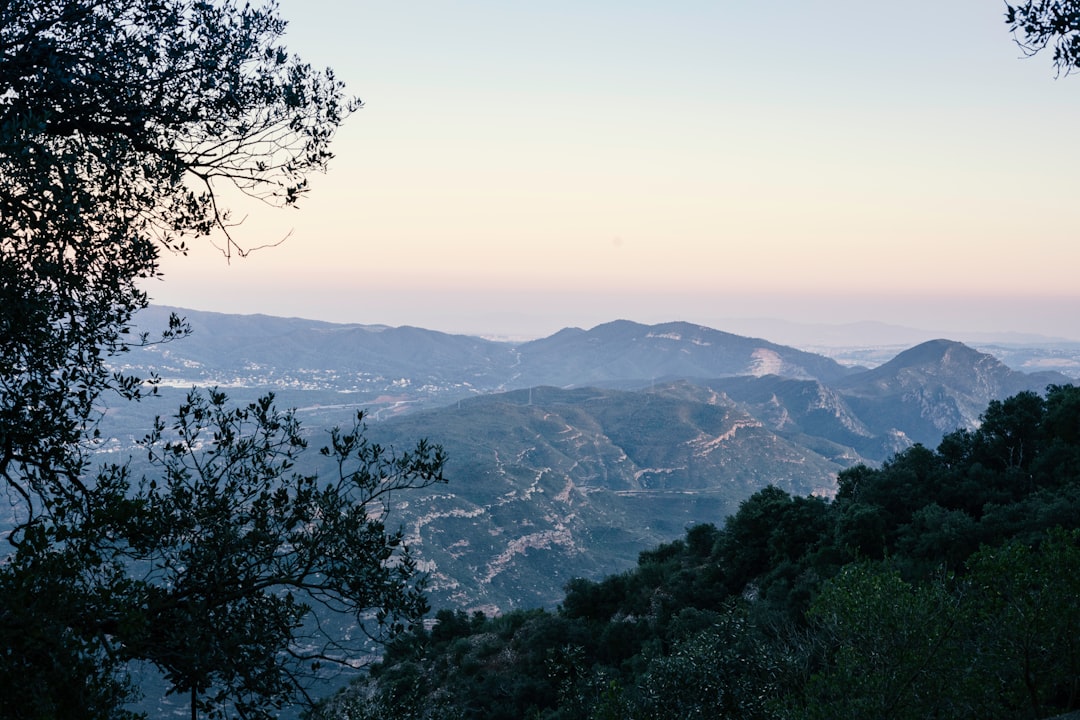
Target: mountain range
point(568, 455)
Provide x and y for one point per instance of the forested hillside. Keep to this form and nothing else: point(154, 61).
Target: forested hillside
point(942, 584)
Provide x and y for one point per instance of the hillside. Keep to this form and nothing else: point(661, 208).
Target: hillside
point(915, 593)
point(552, 484)
point(570, 454)
point(624, 351)
point(936, 387)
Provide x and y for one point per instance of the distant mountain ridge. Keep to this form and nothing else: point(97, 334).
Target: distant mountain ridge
point(947, 382)
point(224, 349)
point(223, 346)
point(572, 453)
point(624, 350)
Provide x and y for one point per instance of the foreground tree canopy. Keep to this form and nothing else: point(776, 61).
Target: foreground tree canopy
point(121, 125)
point(942, 584)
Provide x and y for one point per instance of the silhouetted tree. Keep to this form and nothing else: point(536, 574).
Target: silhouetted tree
point(123, 127)
point(120, 123)
point(1040, 24)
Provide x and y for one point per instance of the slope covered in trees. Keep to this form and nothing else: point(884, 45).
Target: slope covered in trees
point(942, 584)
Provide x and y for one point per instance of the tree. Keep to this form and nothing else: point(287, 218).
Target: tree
point(1023, 610)
point(889, 648)
point(50, 665)
point(730, 669)
point(218, 567)
point(239, 557)
point(1038, 24)
point(121, 125)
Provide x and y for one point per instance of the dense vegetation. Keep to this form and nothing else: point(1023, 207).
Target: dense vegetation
point(942, 584)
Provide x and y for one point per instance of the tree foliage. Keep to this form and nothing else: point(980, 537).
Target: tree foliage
point(243, 556)
point(120, 125)
point(220, 565)
point(888, 647)
point(1039, 24)
point(728, 669)
point(1023, 604)
point(125, 127)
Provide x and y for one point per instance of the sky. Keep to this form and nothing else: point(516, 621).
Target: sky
point(522, 167)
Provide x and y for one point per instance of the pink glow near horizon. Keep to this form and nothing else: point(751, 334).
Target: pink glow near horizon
point(545, 165)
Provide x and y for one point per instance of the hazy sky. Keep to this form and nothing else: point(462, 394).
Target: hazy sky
point(521, 167)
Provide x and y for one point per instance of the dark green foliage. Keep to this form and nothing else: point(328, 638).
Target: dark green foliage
point(1016, 474)
point(729, 668)
point(775, 548)
point(942, 584)
point(1001, 641)
point(1022, 605)
point(887, 647)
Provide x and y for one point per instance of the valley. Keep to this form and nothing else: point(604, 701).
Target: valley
point(571, 454)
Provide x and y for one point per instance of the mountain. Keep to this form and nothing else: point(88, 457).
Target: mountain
point(813, 414)
point(249, 350)
point(572, 454)
point(548, 484)
point(551, 483)
point(568, 455)
point(934, 388)
point(226, 345)
point(394, 370)
point(623, 350)
point(919, 395)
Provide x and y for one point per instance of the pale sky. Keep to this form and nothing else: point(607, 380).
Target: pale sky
point(522, 167)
